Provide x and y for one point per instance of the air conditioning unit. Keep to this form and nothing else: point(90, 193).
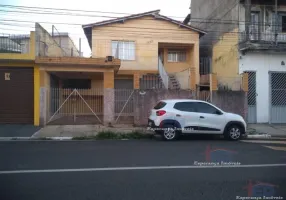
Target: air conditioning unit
point(109, 58)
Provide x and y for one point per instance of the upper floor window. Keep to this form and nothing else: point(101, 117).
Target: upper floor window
point(177, 56)
point(124, 50)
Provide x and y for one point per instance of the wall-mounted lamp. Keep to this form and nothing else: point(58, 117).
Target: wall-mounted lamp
point(283, 63)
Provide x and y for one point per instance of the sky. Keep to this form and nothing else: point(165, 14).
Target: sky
point(168, 8)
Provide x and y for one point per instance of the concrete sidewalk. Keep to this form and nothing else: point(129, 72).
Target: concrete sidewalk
point(270, 129)
point(59, 132)
point(84, 130)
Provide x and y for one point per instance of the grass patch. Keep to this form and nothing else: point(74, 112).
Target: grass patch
point(109, 135)
point(84, 138)
point(251, 131)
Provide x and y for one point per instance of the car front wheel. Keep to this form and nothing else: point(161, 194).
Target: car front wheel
point(234, 132)
point(170, 133)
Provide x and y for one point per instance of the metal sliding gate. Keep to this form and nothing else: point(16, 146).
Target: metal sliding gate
point(124, 101)
point(74, 106)
point(251, 98)
point(277, 97)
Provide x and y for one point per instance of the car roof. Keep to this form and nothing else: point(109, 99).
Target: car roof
point(180, 100)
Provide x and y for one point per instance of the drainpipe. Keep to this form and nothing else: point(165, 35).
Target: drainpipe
point(276, 22)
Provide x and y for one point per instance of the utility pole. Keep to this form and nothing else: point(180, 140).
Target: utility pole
point(276, 22)
point(247, 18)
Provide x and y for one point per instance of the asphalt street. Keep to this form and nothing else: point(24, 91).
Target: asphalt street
point(137, 170)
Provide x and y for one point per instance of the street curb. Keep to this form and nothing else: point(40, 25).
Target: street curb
point(35, 138)
point(15, 138)
point(259, 136)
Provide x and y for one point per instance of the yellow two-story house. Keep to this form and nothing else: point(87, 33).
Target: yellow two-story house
point(151, 47)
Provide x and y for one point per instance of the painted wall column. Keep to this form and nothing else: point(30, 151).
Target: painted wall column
point(196, 62)
point(193, 79)
point(36, 96)
point(108, 98)
point(136, 80)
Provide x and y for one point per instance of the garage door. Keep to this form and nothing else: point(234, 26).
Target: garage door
point(16, 95)
point(278, 97)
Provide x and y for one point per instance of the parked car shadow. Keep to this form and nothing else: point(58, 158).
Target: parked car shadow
point(196, 137)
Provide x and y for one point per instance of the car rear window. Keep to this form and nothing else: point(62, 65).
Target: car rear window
point(160, 105)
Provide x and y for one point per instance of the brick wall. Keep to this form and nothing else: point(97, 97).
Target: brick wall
point(231, 101)
point(145, 102)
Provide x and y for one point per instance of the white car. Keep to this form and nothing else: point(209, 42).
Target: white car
point(174, 117)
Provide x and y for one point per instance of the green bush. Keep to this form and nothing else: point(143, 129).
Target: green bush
point(105, 135)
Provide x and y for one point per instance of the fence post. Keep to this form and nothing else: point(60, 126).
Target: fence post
point(193, 78)
point(109, 97)
point(245, 82)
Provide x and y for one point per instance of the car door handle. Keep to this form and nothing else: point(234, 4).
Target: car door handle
point(177, 115)
point(202, 117)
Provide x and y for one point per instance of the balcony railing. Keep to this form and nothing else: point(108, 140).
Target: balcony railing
point(263, 37)
point(14, 44)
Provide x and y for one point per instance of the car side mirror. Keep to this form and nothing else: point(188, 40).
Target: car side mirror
point(218, 112)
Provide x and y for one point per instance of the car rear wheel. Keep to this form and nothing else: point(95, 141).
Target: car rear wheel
point(234, 132)
point(170, 133)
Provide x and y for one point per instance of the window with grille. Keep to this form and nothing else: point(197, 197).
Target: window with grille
point(124, 50)
point(177, 56)
point(284, 24)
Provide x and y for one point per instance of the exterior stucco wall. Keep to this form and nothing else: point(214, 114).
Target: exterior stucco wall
point(67, 45)
point(262, 64)
point(224, 10)
point(225, 60)
point(45, 44)
point(147, 33)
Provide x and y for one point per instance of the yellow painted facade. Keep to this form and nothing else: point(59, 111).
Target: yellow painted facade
point(149, 35)
point(26, 60)
point(225, 63)
point(36, 96)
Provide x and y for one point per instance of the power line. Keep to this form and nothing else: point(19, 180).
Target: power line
point(61, 9)
point(211, 21)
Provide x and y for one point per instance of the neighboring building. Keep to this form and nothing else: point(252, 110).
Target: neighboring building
point(19, 78)
point(247, 36)
point(37, 81)
point(148, 44)
point(7, 45)
point(65, 42)
point(62, 40)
